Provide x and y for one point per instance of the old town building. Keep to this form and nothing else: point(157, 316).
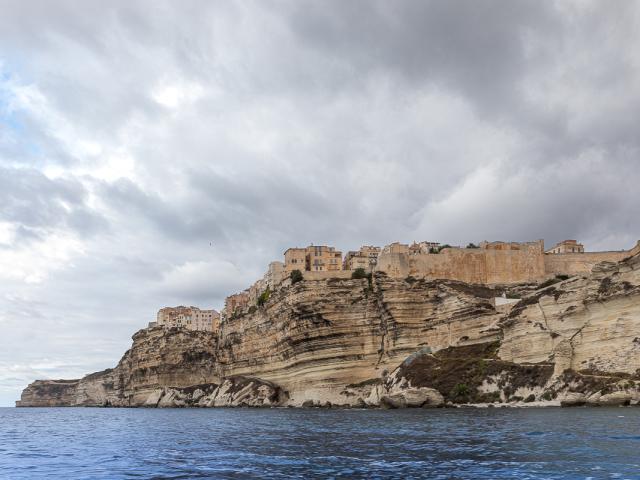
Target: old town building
point(365, 258)
point(314, 258)
point(191, 318)
point(567, 246)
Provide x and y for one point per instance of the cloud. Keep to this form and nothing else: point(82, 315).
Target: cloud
point(154, 153)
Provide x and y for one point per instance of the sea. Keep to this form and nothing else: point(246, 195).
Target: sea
point(490, 443)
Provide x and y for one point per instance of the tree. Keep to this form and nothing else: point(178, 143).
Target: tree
point(472, 245)
point(359, 273)
point(296, 276)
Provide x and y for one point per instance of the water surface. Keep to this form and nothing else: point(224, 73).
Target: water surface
point(94, 443)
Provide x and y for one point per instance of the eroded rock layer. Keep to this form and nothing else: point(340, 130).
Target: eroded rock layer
point(389, 342)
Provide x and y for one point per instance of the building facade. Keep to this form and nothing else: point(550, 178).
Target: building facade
point(567, 246)
point(365, 258)
point(295, 259)
point(423, 247)
point(321, 258)
point(236, 303)
point(191, 318)
point(275, 274)
point(314, 258)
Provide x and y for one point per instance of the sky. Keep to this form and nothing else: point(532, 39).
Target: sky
point(158, 153)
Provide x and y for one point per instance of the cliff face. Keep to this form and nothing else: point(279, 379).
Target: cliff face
point(157, 359)
point(49, 393)
point(318, 336)
point(583, 323)
point(388, 342)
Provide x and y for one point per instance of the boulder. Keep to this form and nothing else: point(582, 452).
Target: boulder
point(197, 395)
point(434, 399)
point(413, 398)
point(393, 401)
point(360, 403)
point(573, 399)
point(168, 400)
point(153, 399)
point(614, 399)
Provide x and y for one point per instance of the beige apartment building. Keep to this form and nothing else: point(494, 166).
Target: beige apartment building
point(295, 259)
point(314, 258)
point(365, 258)
point(567, 246)
point(191, 318)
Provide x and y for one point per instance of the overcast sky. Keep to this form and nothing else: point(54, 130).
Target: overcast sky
point(161, 153)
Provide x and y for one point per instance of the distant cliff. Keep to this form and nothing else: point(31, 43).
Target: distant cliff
point(390, 342)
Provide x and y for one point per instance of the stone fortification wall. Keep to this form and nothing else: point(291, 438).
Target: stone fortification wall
point(326, 275)
point(471, 265)
point(494, 263)
point(579, 263)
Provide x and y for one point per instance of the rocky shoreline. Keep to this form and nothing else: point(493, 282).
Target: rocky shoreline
point(390, 343)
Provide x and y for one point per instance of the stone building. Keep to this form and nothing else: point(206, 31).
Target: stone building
point(295, 259)
point(365, 258)
point(256, 290)
point(423, 247)
point(567, 246)
point(191, 318)
point(275, 274)
point(236, 303)
point(314, 258)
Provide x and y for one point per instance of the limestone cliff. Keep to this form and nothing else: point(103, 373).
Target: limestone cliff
point(389, 342)
point(582, 323)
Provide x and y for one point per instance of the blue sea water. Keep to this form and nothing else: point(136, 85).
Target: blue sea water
point(496, 443)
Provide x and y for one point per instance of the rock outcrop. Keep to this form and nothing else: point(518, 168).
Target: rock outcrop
point(589, 324)
point(390, 342)
point(49, 393)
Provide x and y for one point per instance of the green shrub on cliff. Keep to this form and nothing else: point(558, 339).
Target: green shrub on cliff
point(460, 390)
point(264, 296)
point(296, 276)
point(359, 273)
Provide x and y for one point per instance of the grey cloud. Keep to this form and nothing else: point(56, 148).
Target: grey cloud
point(474, 47)
point(32, 201)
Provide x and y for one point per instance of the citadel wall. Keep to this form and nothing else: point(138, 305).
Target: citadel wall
point(472, 265)
point(311, 275)
point(493, 263)
point(579, 263)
